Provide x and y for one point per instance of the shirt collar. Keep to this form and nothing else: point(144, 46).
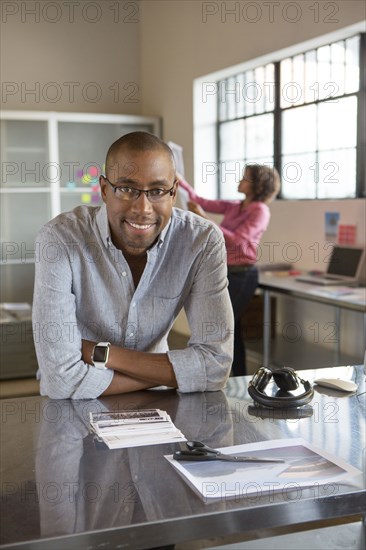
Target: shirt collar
point(164, 232)
point(103, 225)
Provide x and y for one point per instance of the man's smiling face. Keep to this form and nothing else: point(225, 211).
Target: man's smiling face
point(136, 224)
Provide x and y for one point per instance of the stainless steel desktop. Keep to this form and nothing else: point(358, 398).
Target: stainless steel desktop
point(61, 489)
point(289, 286)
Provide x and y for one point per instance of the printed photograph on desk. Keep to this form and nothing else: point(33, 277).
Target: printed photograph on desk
point(134, 428)
point(303, 466)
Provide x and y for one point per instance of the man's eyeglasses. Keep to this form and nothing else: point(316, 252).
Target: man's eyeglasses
point(126, 193)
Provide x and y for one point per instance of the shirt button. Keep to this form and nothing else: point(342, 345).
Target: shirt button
point(124, 273)
point(133, 304)
point(131, 334)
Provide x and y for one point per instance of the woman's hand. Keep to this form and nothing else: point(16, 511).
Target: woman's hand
point(196, 209)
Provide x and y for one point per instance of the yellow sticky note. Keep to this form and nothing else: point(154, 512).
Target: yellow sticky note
point(85, 198)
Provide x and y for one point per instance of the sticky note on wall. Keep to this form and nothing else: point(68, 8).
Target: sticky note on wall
point(85, 198)
point(347, 234)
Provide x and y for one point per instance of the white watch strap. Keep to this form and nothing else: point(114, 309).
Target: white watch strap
point(101, 364)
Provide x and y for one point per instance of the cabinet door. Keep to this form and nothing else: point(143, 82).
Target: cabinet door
point(24, 154)
point(22, 215)
point(25, 202)
point(83, 147)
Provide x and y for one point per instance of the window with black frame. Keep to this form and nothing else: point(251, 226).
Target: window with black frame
point(305, 115)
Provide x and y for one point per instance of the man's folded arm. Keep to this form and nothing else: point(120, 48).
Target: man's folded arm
point(134, 370)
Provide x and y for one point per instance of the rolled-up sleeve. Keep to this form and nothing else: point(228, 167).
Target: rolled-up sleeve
point(56, 333)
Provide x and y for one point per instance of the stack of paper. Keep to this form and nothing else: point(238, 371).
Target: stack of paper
point(134, 428)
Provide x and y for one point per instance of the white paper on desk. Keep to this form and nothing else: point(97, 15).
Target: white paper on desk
point(134, 428)
point(140, 440)
point(304, 466)
point(351, 294)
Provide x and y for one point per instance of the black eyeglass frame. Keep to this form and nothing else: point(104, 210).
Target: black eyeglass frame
point(139, 191)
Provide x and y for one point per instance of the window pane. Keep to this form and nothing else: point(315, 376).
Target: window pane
point(230, 175)
point(259, 76)
point(337, 174)
point(338, 67)
point(298, 79)
point(311, 76)
point(299, 130)
point(231, 96)
point(269, 88)
point(232, 140)
point(259, 136)
point(324, 71)
point(286, 82)
point(240, 112)
point(352, 65)
point(250, 92)
point(298, 179)
point(222, 103)
point(338, 123)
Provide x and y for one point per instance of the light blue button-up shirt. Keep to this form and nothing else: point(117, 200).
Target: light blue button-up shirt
point(84, 290)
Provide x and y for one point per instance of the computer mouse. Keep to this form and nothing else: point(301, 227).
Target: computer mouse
point(337, 384)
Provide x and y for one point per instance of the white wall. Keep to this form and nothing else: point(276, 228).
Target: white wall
point(296, 232)
point(71, 56)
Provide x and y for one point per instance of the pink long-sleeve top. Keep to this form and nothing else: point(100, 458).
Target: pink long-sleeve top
point(242, 227)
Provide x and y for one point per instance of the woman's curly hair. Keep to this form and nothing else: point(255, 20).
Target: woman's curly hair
point(265, 182)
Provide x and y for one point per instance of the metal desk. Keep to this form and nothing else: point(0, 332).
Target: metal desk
point(270, 284)
point(60, 489)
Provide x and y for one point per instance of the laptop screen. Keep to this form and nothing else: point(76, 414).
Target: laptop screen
point(344, 261)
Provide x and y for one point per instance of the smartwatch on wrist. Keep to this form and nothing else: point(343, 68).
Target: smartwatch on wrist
point(100, 355)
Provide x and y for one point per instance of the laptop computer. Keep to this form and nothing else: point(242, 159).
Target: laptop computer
point(344, 267)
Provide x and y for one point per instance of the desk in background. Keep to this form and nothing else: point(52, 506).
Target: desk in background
point(61, 489)
point(288, 286)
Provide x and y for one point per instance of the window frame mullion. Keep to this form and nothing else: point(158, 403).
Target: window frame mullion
point(277, 122)
point(361, 123)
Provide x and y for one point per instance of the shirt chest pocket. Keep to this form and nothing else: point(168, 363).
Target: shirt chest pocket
point(165, 310)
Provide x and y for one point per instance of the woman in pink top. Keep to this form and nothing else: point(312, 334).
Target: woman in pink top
point(243, 223)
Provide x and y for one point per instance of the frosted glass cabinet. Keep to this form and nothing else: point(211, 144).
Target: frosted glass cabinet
point(50, 163)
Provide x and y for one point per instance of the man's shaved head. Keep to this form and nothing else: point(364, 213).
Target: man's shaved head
point(136, 142)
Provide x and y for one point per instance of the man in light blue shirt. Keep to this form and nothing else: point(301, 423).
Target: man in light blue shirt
point(111, 280)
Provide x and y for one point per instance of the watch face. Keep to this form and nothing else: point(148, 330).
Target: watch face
point(100, 354)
